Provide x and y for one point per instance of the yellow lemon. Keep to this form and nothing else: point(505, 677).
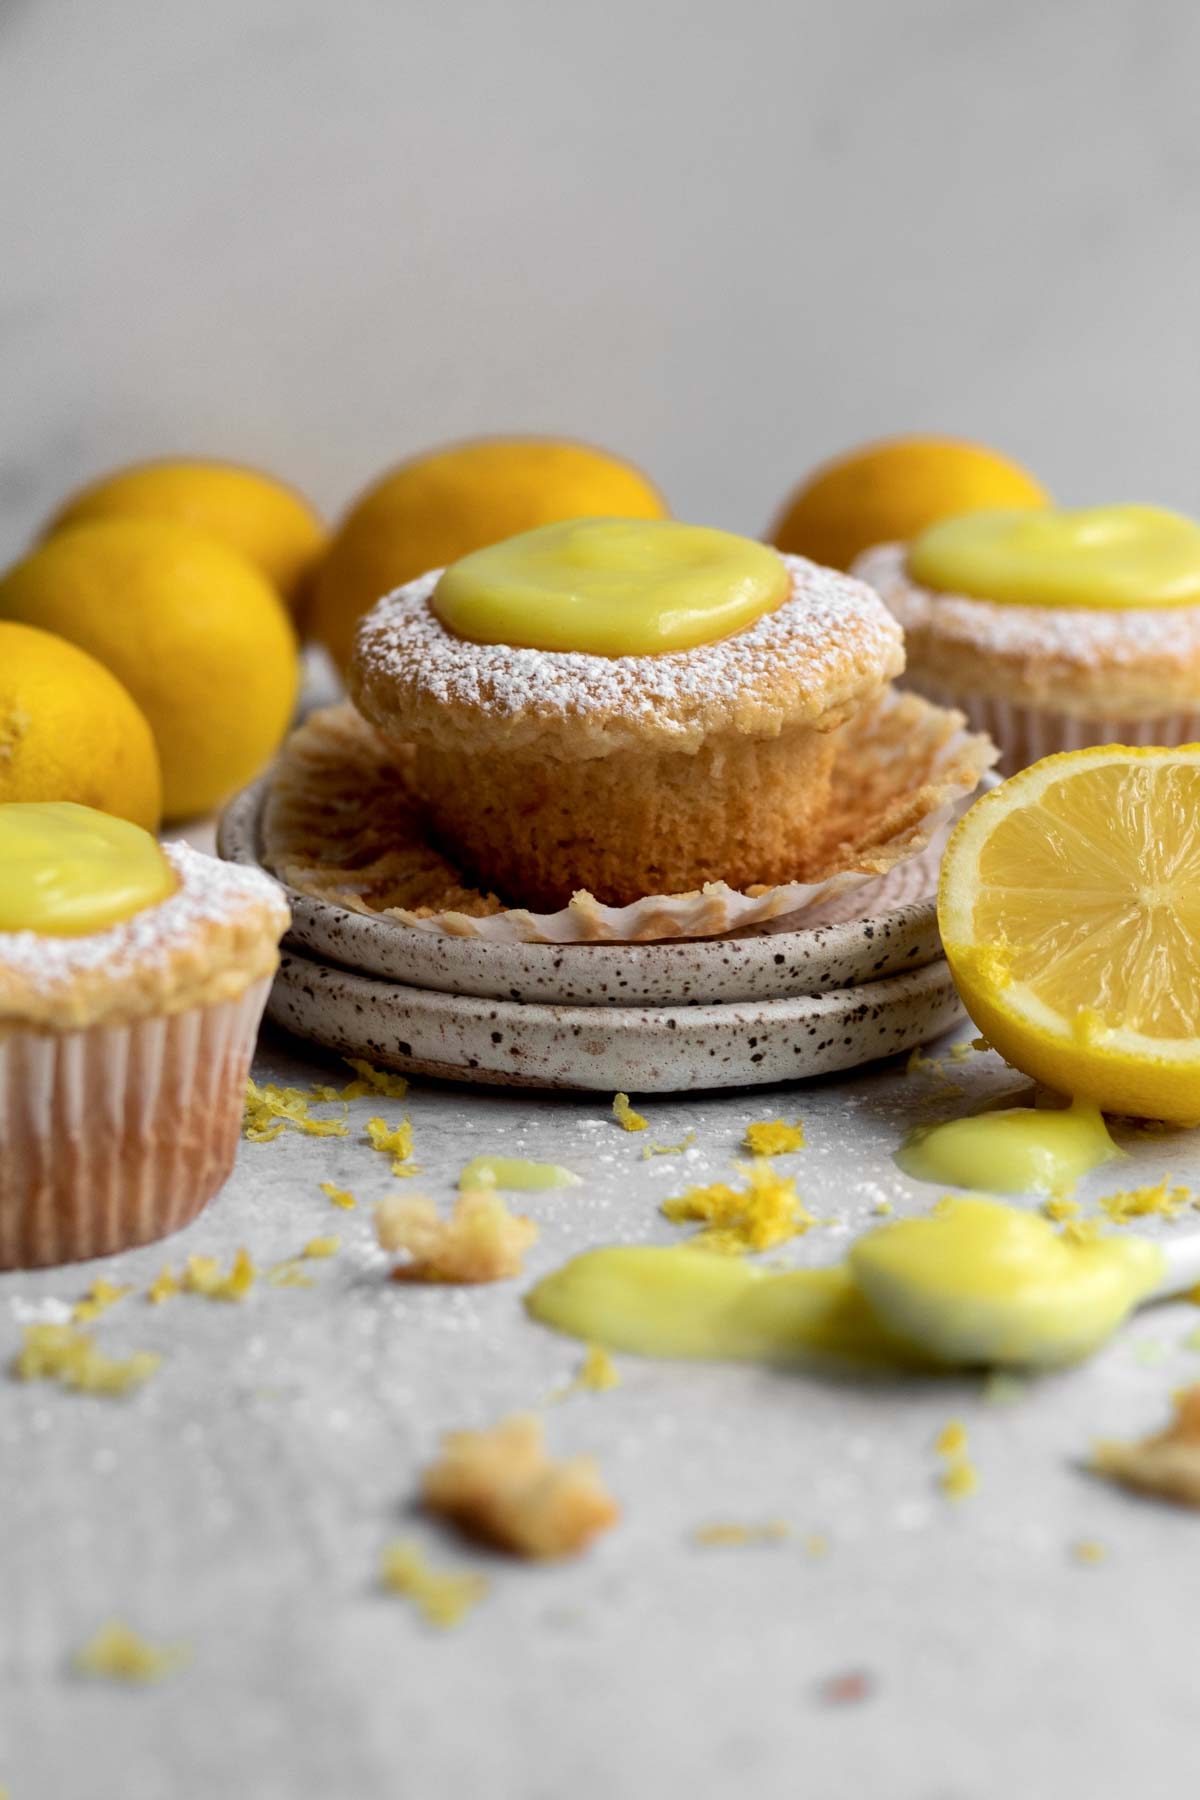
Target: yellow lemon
point(200, 638)
point(272, 525)
point(439, 507)
point(70, 731)
point(889, 491)
point(1069, 909)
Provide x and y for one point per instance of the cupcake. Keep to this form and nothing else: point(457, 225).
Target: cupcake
point(1053, 629)
point(625, 707)
point(132, 981)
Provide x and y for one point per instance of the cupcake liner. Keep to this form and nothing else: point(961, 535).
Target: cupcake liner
point(117, 1135)
point(1024, 734)
point(344, 823)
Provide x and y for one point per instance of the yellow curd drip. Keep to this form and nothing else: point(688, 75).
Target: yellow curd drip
point(980, 1282)
point(976, 1282)
point(514, 1173)
point(685, 1303)
point(66, 869)
point(1018, 1150)
point(1095, 556)
point(612, 587)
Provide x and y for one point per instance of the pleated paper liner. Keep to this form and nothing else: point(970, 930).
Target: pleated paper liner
point(344, 824)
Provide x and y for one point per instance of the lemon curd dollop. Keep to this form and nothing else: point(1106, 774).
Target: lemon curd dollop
point(1017, 1150)
point(67, 869)
point(1093, 557)
point(612, 587)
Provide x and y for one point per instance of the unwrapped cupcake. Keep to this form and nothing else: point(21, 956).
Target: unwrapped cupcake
point(1053, 629)
point(626, 707)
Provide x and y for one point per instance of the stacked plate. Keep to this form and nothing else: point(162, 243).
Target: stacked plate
point(773, 1002)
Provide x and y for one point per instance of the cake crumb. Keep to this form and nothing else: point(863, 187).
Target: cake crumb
point(481, 1241)
point(395, 1141)
point(766, 1212)
point(685, 1143)
point(848, 1689)
point(730, 1535)
point(1167, 1464)
point(99, 1297)
point(774, 1137)
point(202, 1275)
point(626, 1117)
point(60, 1353)
point(117, 1653)
point(339, 1197)
point(442, 1599)
point(1157, 1200)
point(501, 1486)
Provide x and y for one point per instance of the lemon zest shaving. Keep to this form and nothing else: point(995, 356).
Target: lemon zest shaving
point(774, 1137)
point(395, 1141)
point(685, 1143)
point(766, 1212)
point(1088, 1551)
point(270, 1110)
point(723, 1534)
point(959, 1479)
point(1060, 1209)
point(626, 1117)
point(1157, 1200)
point(441, 1598)
point(60, 1353)
point(318, 1248)
point(340, 1197)
point(117, 1653)
point(378, 1081)
point(202, 1275)
point(165, 1286)
point(99, 1297)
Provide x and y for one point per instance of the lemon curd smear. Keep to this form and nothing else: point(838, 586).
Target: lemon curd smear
point(1095, 557)
point(66, 870)
point(612, 587)
point(1017, 1150)
point(516, 1173)
point(974, 1283)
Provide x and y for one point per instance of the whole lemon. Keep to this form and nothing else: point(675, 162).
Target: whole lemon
point(429, 512)
point(70, 731)
point(272, 525)
point(889, 491)
point(200, 638)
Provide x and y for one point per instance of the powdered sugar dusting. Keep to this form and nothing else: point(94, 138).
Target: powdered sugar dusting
point(209, 893)
point(1083, 637)
point(829, 636)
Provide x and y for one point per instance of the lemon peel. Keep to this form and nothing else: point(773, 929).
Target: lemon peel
point(202, 1275)
point(685, 1143)
point(339, 1197)
point(395, 1141)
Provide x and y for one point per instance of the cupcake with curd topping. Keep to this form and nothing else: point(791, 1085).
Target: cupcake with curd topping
point(132, 980)
point(625, 707)
point(1053, 629)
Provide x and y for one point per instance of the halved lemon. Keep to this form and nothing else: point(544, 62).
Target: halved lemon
point(1069, 908)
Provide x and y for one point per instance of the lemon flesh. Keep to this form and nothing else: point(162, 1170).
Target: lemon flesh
point(1070, 913)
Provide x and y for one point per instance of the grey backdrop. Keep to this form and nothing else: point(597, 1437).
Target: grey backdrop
point(726, 239)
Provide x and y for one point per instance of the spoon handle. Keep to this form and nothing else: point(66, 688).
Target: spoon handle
point(1182, 1269)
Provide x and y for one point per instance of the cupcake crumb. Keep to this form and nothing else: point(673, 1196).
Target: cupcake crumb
point(1166, 1464)
point(481, 1241)
point(503, 1487)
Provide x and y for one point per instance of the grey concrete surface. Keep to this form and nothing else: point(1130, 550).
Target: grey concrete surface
point(239, 1503)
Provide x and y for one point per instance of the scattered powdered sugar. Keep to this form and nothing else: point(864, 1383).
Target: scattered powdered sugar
point(1085, 637)
point(830, 630)
point(209, 892)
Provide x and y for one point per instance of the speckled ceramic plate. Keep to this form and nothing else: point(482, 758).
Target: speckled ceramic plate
point(765, 962)
point(644, 1050)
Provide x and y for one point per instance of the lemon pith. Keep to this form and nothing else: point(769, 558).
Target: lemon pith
point(1069, 908)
